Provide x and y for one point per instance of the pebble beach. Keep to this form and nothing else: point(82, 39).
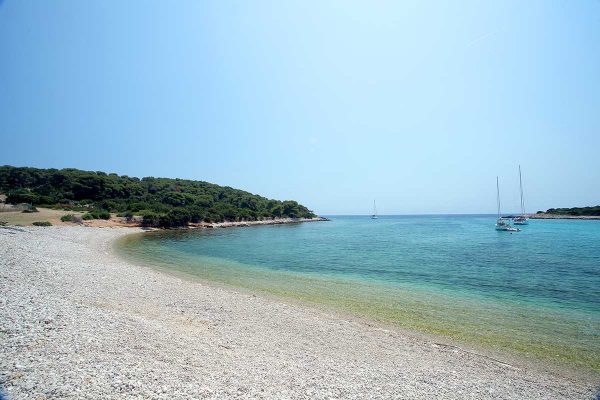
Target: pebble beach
point(79, 322)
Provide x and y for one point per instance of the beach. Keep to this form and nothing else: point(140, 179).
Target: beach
point(78, 321)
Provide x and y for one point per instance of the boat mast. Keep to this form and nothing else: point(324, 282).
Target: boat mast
point(521, 186)
point(374, 208)
point(498, 196)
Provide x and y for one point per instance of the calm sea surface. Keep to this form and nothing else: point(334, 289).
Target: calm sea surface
point(535, 292)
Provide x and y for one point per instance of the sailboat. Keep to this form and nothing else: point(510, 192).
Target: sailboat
point(521, 219)
point(501, 223)
point(374, 216)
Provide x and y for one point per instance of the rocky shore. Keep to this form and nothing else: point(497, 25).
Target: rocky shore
point(78, 322)
point(276, 221)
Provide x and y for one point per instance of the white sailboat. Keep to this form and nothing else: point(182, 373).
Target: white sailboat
point(501, 223)
point(374, 216)
point(521, 219)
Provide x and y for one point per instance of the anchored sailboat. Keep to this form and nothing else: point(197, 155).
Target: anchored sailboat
point(522, 219)
point(501, 223)
point(374, 216)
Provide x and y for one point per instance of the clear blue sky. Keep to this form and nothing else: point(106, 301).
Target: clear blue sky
point(417, 104)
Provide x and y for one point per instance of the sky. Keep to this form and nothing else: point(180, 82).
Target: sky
point(419, 105)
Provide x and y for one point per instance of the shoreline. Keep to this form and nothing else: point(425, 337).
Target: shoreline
point(276, 221)
point(107, 327)
point(19, 218)
point(556, 216)
point(413, 308)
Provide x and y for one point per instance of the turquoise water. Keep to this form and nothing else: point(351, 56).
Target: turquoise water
point(534, 292)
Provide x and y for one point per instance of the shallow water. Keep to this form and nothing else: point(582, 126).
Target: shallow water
point(534, 292)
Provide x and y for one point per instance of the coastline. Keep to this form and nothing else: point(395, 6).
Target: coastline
point(82, 322)
point(53, 216)
point(557, 216)
point(276, 221)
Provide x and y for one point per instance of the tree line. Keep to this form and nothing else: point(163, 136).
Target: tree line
point(575, 211)
point(162, 202)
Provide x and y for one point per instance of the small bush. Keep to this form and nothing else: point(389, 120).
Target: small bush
point(42, 223)
point(68, 218)
point(3, 223)
point(126, 214)
point(103, 215)
point(96, 214)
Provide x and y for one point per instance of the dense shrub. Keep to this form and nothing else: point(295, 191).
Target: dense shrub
point(42, 223)
point(175, 217)
point(67, 218)
point(197, 214)
point(102, 214)
point(178, 199)
point(128, 215)
point(150, 219)
point(96, 214)
point(22, 196)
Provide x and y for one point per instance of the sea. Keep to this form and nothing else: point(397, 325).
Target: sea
point(534, 293)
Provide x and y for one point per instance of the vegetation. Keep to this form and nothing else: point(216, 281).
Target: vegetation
point(67, 218)
point(98, 214)
point(30, 210)
point(42, 223)
point(128, 215)
point(160, 201)
point(76, 219)
point(575, 211)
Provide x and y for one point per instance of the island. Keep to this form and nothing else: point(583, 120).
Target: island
point(569, 213)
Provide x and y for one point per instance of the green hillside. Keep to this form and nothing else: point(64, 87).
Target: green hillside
point(575, 211)
point(161, 201)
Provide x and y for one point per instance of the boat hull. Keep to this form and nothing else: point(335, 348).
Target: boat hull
point(507, 229)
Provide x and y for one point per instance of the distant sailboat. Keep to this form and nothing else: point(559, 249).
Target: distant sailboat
point(522, 219)
point(374, 216)
point(501, 223)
